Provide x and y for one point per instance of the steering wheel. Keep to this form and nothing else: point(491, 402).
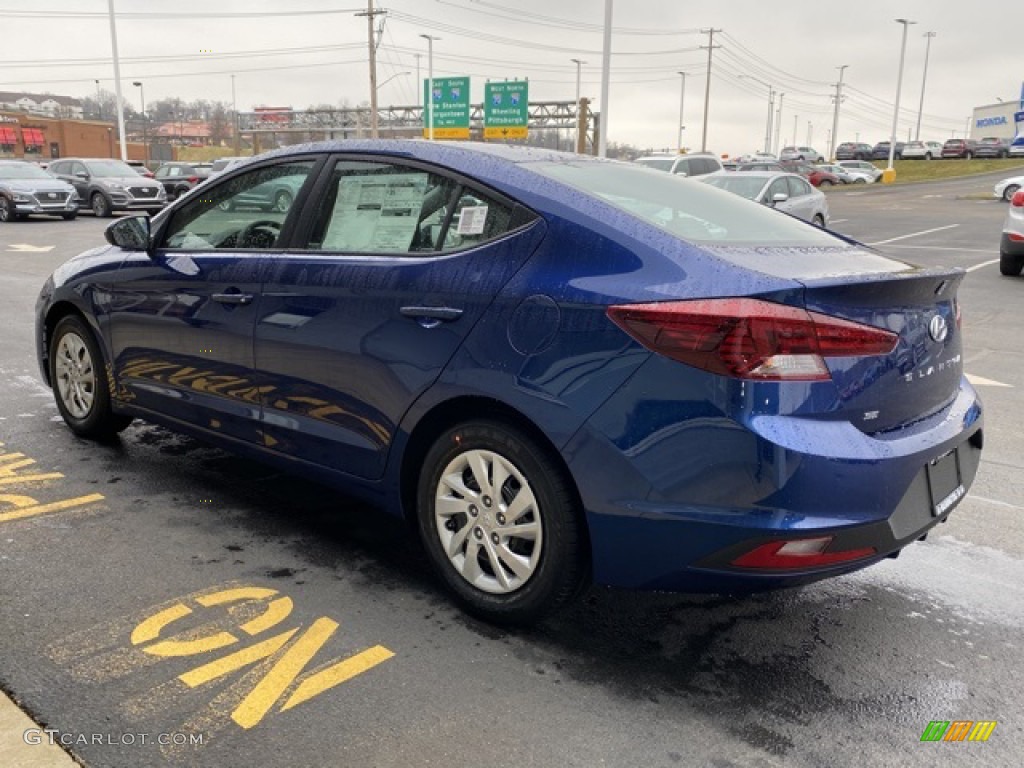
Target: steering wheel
point(261, 233)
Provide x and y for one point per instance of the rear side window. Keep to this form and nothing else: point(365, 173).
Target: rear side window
point(378, 207)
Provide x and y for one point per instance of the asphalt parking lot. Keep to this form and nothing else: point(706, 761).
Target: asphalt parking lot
point(149, 586)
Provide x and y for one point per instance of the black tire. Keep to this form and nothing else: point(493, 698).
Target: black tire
point(927, 155)
point(79, 380)
point(550, 566)
point(825, 183)
point(860, 181)
point(1010, 266)
point(100, 206)
point(282, 201)
point(69, 216)
point(7, 210)
point(818, 221)
point(1010, 191)
point(967, 155)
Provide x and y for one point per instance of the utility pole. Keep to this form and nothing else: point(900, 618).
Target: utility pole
point(924, 79)
point(117, 83)
point(835, 114)
point(234, 111)
point(796, 119)
point(606, 66)
point(889, 175)
point(778, 124)
point(579, 68)
point(371, 16)
point(810, 134)
point(682, 99)
point(707, 86)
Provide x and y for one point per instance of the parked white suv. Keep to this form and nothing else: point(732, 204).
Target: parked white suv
point(697, 164)
point(861, 165)
point(807, 154)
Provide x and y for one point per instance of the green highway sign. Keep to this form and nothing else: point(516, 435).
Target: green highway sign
point(450, 101)
point(506, 110)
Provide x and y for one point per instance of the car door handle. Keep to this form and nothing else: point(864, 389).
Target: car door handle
point(233, 298)
point(446, 314)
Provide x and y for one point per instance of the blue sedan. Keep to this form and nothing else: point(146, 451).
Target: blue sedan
point(560, 369)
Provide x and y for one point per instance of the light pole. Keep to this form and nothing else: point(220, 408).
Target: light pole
point(771, 106)
point(388, 80)
point(145, 120)
point(606, 68)
point(99, 106)
point(889, 175)
point(778, 124)
point(579, 65)
point(430, 85)
point(682, 99)
point(924, 80)
point(237, 139)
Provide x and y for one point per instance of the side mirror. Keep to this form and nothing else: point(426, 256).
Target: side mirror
point(779, 197)
point(82, 175)
point(129, 234)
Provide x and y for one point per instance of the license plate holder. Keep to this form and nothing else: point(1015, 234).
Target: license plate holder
point(944, 482)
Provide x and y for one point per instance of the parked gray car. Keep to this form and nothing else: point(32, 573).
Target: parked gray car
point(992, 146)
point(108, 185)
point(27, 189)
point(786, 192)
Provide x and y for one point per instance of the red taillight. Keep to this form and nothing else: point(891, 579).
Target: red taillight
point(193, 179)
point(749, 338)
point(1017, 201)
point(798, 553)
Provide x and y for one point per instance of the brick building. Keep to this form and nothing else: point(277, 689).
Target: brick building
point(34, 137)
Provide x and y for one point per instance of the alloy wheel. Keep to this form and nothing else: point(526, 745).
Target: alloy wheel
point(75, 375)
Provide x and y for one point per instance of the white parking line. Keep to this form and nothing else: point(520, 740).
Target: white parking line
point(837, 221)
point(914, 234)
point(983, 264)
point(944, 248)
point(981, 381)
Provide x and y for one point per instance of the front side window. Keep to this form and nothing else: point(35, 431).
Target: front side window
point(798, 187)
point(247, 212)
point(379, 207)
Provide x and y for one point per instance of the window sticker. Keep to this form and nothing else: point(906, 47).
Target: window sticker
point(472, 220)
point(376, 213)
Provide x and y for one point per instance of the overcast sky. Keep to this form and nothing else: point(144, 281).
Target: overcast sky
point(62, 46)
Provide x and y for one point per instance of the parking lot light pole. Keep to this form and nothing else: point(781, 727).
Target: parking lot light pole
point(430, 85)
point(771, 106)
point(889, 175)
point(924, 81)
point(682, 99)
point(145, 135)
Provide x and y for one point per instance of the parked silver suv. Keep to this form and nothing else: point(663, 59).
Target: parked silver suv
point(108, 185)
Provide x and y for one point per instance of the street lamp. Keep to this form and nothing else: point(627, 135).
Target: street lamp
point(99, 106)
point(579, 64)
point(889, 175)
point(924, 79)
point(430, 85)
point(397, 74)
point(145, 120)
point(682, 99)
point(771, 105)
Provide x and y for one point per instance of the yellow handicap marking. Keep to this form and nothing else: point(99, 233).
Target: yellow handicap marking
point(290, 652)
point(18, 506)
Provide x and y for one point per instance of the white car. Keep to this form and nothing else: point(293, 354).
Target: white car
point(861, 165)
point(756, 157)
point(922, 150)
point(786, 192)
point(696, 164)
point(807, 154)
point(1011, 245)
point(1006, 188)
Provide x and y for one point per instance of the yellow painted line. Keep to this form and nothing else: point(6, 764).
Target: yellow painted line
point(276, 612)
point(235, 661)
point(192, 647)
point(35, 508)
point(259, 701)
point(336, 674)
point(11, 456)
point(150, 628)
point(28, 478)
point(234, 595)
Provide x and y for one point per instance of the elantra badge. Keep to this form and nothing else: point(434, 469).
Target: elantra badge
point(938, 329)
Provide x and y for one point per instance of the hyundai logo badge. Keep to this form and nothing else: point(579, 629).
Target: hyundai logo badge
point(938, 329)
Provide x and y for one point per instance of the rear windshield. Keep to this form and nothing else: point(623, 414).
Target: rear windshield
point(685, 208)
point(661, 163)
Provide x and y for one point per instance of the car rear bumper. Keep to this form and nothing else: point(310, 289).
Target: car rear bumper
point(674, 508)
point(1010, 247)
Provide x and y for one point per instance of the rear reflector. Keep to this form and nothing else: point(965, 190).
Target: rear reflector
point(798, 553)
point(749, 338)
